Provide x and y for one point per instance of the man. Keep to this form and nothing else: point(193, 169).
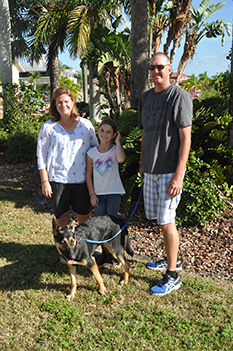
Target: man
point(165, 115)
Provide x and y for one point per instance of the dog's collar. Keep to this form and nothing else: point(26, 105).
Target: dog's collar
point(78, 240)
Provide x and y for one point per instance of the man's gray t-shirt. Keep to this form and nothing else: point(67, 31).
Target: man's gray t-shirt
point(160, 116)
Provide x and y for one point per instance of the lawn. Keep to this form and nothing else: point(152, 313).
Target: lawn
point(36, 316)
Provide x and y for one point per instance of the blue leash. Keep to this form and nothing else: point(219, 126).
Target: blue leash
point(119, 231)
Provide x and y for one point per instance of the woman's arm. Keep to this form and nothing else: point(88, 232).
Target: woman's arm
point(46, 187)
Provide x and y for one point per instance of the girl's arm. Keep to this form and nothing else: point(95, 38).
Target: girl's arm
point(89, 177)
point(120, 154)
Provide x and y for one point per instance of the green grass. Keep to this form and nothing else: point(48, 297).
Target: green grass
point(34, 314)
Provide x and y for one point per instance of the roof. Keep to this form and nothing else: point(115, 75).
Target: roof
point(174, 76)
point(41, 66)
point(33, 68)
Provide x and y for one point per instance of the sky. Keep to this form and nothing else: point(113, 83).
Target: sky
point(210, 55)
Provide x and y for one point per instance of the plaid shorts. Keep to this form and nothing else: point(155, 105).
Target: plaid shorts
point(156, 201)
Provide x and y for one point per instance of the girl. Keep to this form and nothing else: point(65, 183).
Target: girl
point(102, 173)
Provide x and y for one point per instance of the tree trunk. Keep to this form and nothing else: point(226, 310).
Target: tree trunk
point(182, 64)
point(179, 18)
point(85, 85)
point(188, 52)
point(150, 33)
point(157, 37)
point(110, 98)
point(230, 127)
point(5, 46)
point(53, 68)
point(126, 82)
point(94, 93)
point(139, 51)
point(117, 77)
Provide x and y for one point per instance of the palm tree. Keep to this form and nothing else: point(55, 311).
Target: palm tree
point(50, 31)
point(217, 81)
point(5, 42)
point(21, 16)
point(84, 26)
point(203, 77)
point(67, 23)
point(5, 46)
point(116, 66)
point(179, 18)
point(230, 128)
point(159, 20)
point(33, 76)
point(113, 64)
point(70, 84)
point(200, 28)
point(139, 51)
point(192, 84)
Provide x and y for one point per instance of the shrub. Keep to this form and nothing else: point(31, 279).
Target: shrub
point(22, 143)
point(201, 201)
point(23, 103)
point(131, 141)
point(19, 131)
point(3, 140)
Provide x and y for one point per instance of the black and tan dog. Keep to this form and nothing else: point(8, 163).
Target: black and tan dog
point(75, 250)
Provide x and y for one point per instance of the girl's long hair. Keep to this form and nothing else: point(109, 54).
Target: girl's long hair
point(110, 122)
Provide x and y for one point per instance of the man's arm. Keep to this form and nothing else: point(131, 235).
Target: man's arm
point(141, 159)
point(175, 185)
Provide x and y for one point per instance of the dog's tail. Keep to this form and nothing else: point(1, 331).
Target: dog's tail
point(128, 248)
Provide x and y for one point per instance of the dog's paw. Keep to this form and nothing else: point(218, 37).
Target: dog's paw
point(103, 291)
point(70, 297)
point(118, 265)
point(123, 282)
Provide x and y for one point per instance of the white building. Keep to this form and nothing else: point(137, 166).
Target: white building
point(41, 67)
point(70, 73)
point(16, 70)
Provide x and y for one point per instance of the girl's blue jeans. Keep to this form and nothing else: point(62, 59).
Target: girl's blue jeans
point(108, 205)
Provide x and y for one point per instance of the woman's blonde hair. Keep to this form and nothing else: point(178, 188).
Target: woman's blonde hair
point(55, 115)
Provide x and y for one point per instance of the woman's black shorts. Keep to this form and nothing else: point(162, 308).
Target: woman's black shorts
point(66, 196)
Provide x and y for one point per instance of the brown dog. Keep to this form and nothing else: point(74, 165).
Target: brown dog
point(71, 243)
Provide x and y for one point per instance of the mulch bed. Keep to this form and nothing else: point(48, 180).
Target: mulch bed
point(206, 250)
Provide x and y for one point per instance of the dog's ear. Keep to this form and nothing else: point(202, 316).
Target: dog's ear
point(71, 225)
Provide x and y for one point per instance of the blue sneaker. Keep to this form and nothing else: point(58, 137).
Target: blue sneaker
point(162, 264)
point(166, 285)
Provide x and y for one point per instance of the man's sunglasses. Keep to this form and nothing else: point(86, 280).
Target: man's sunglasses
point(159, 67)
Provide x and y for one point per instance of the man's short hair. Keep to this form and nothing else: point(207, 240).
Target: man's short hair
point(161, 54)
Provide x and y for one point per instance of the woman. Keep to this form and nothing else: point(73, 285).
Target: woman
point(62, 146)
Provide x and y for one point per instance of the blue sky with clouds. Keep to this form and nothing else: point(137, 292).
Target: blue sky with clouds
point(210, 55)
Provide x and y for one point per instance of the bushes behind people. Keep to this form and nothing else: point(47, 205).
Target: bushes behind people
point(25, 114)
point(208, 182)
